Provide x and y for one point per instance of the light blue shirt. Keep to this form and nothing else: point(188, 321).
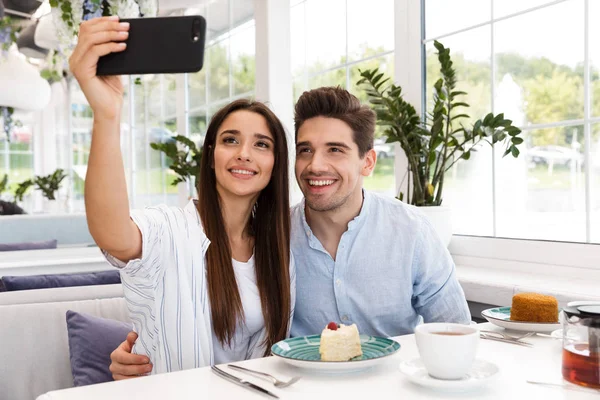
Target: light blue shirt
point(391, 269)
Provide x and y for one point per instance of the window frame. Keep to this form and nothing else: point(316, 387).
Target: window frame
point(524, 255)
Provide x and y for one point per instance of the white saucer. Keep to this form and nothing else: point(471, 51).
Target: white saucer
point(481, 373)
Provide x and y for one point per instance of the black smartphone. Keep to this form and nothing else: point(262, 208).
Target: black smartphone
point(162, 45)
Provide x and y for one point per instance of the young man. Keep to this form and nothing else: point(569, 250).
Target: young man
point(360, 257)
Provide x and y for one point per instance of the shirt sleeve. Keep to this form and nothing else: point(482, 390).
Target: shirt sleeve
point(154, 227)
point(437, 294)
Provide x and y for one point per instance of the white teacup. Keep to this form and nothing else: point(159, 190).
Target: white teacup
point(447, 350)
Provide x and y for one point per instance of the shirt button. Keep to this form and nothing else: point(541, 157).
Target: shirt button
point(338, 282)
point(344, 318)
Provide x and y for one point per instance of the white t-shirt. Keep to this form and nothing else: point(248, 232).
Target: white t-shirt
point(167, 294)
point(254, 321)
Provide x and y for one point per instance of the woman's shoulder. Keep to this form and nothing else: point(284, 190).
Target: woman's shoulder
point(178, 218)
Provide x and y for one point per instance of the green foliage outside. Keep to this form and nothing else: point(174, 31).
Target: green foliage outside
point(551, 92)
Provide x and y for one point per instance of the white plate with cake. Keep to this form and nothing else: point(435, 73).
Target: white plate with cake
point(339, 348)
point(530, 312)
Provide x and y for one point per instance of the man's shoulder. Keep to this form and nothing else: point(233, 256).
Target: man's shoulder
point(297, 212)
point(395, 209)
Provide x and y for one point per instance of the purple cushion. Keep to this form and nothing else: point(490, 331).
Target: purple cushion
point(28, 282)
point(91, 340)
point(46, 244)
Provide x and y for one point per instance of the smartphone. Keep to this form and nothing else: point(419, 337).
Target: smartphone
point(162, 45)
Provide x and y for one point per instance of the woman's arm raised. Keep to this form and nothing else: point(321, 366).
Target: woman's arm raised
point(106, 202)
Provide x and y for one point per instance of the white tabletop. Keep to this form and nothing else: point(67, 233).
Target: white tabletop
point(516, 364)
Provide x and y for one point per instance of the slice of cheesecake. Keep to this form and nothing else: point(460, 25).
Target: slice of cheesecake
point(339, 342)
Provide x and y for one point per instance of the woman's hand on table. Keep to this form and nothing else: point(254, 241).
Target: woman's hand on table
point(124, 364)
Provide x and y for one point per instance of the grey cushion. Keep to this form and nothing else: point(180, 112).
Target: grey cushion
point(91, 340)
point(27, 282)
point(46, 244)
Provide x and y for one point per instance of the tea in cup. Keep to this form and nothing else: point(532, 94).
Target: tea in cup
point(447, 350)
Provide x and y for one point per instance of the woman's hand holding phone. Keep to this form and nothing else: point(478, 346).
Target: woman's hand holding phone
point(99, 37)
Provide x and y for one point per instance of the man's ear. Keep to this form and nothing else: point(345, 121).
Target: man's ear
point(370, 159)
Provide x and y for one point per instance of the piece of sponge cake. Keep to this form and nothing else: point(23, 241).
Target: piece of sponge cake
point(534, 307)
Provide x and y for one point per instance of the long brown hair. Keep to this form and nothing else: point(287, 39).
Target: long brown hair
point(270, 225)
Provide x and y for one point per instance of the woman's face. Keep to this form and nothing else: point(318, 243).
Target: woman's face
point(244, 154)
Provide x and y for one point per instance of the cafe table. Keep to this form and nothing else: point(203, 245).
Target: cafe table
point(516, 365)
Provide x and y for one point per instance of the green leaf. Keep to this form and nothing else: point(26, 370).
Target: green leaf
point(513, 131)
point(432, 157)
point(4, 183)
point(517, 140)
point(488, 119)
point(515, 152)
point(498, 119)
point(460, 104)
point(459, 116)
point(466, 155)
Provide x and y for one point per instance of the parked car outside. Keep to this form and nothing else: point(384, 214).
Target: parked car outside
point(558, 155)
point(383, 149)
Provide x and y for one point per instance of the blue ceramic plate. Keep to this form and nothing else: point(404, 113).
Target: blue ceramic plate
point(304, 352)
point(500, 316)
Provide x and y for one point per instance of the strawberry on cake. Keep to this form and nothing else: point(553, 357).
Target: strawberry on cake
point(339, 342)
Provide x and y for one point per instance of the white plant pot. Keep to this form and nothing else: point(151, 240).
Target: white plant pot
point(53, 207)
point(441, 219)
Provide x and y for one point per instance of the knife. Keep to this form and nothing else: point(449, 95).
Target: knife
point(241, 382)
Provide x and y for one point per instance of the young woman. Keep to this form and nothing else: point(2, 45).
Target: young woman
point(212, 282)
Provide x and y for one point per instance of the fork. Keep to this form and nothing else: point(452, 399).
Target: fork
point(278, 383)
point(499, 339)
point(509, 337)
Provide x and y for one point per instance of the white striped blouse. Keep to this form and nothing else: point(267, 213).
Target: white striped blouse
point(166, 291)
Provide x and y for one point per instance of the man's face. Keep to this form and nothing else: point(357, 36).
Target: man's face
point(329, 169)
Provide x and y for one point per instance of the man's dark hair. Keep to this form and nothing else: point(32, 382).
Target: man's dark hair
point(335, 102)
point(8, 208)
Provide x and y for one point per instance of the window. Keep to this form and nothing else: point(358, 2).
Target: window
point(81, 132)
point(155, 121)
point(229, 62)
point(511, 58)
point(358, 37)
point(228, 73)
point(16, 155)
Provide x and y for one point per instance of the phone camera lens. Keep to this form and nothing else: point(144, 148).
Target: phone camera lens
point(196, 30)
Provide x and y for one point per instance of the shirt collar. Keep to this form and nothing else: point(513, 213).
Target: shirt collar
point(353, 224)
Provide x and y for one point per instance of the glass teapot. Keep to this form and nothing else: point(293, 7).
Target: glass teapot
point(581, 344)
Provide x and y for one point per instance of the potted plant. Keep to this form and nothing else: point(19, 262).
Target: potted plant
point(22, 189)
point(49, 185)
point(437, 142)
point(185, 159)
